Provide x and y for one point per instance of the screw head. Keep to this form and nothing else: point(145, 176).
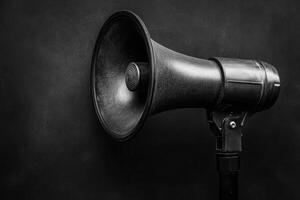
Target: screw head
point(232, 124)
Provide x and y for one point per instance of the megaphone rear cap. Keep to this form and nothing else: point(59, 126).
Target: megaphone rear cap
point(121, 111)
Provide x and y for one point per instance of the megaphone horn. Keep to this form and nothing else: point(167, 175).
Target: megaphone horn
point(133, 77)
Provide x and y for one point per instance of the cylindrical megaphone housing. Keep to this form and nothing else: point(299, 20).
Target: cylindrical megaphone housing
point(133, 76)
point(247, 85)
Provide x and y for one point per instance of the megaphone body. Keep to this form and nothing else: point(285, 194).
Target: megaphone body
point(133, 77)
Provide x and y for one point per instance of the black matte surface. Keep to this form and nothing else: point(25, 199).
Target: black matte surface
point(52, 146)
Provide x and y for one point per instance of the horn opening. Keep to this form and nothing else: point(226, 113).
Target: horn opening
point(123, 39)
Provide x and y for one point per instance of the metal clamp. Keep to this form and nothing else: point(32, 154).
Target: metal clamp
point(227, 125)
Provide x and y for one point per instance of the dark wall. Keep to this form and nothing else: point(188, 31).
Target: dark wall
point(52, 146)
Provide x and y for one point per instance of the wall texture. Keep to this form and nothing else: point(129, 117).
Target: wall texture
point(52, 146)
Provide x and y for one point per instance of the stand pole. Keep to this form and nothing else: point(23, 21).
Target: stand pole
point(227, 128)
point(228, 165)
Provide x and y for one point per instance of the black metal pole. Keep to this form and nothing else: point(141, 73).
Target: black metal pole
point(228, 165)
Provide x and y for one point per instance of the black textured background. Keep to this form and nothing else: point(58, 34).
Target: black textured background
point(52, 146)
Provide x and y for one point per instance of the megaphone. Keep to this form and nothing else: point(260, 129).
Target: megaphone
point(133, 77)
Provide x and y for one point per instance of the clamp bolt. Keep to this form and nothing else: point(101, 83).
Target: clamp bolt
point(232, 124)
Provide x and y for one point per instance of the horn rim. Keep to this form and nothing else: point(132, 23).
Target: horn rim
point(147, 39)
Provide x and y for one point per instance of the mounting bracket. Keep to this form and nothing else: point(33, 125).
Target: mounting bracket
point(227, 127)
